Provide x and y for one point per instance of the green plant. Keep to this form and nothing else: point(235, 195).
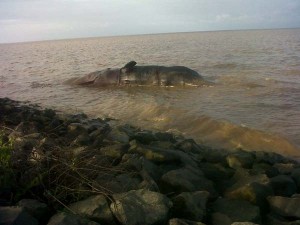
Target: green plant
point(6, 171)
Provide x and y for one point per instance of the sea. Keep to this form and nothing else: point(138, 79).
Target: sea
point(253, 101)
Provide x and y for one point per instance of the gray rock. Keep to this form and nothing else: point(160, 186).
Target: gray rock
point(158, 155)
point(176, 221)
point(296, 176)
point(186, 180)
point(254, 189)
point(270, 157)
point(244, 223)
point(69, 219)
point(15, 216)
point(35, 208)
point(285, 168)
point(283, 185)
point(240, 159)
point(94, 208)
point(220, 219)
point(286, 207)
point(145, 137)
point(264, 168)
point(119, 136)
point(115, 151)
point(237, 210)
point(141, 207)
point(190, 205)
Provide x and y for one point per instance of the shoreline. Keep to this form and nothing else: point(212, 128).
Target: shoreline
point(102, 173)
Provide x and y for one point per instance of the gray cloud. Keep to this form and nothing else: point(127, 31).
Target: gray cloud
point(25, 20)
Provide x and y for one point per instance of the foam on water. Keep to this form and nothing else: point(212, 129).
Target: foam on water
point(254, 104)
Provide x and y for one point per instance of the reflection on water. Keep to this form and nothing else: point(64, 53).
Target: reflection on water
point(254, 104)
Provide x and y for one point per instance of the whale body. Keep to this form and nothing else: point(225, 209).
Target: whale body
point(132, 75)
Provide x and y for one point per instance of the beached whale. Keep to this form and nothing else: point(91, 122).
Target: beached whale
point(131, 74)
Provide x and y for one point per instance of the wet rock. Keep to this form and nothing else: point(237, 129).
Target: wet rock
point(186, 180)
point(240, 159)
point(286, 207)
point(69, 219)
point(176, 221)
point(275, 219)
point(81, 140)
point(270, 158)
point(215, 155)
point(235, 211)
point(141, 207)
point(283, 185)
point(118, 136)
point(145, 137)
point(94, 208)
point(285, 168)
point(161, 155)
point(188, 145)
point(16, 215)
point(190, 205)
point(115, 151)
point(296, 176)
point(35, 208)
point(165, 137)
point(139, 163)
point(216, 171)
point(75, 129)
point(252, 188)
point(244, 223)
point(264, 168)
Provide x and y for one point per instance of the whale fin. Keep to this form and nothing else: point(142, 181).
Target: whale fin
point(129, 66)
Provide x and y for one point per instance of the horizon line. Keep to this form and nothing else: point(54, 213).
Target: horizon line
point(144, 34)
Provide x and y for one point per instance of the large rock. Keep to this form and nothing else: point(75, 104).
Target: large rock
point(69, 219)
point(283, 185)
point(296, 176)
point(235, 211)
point(94, 208)
point(35, 208)
point(176, 221)
point(141, 207)
point(16, 216)
point(159, 155)
point(240, 159)
point(254, 189)
point(190, 205)
point(186, 180)
point(287, 207)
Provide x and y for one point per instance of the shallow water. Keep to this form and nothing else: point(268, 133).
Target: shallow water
point(254, 104)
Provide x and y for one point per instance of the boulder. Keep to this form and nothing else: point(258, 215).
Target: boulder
point(244, 223)
point(285, 168)
point(252, 188)
point(69, 219)
point(240, 159)
point(115, 151)
point(176, 221)
point(141, 207)
point(296, 176)
point(186, 179)
point(283, 185)
point(286, 207)
point(264, 168)
point(236, 211)
point(16, 215)
point(94, 208)
point(35, 208)
point(145, 137)
point(190, 205)
point(118, 136)
point(159, 155)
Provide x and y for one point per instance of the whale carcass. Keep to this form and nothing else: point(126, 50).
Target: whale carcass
point(131, 74)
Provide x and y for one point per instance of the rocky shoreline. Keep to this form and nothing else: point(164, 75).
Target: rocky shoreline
point(70, 169)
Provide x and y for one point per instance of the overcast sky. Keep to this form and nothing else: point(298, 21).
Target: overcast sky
point(29, 20)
